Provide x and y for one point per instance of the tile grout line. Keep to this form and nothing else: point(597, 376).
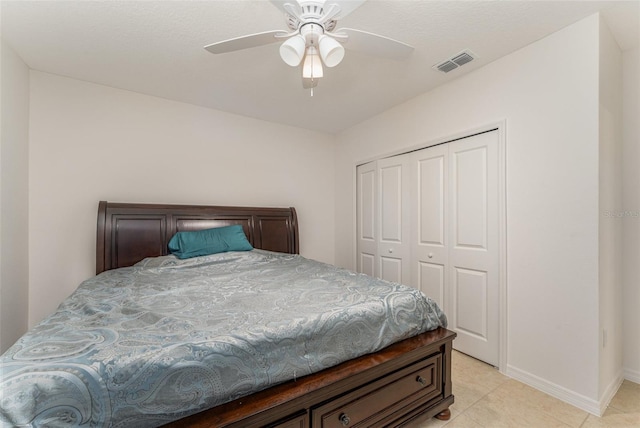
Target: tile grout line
point(476, 402)
point(551, 415)
point(586, 418)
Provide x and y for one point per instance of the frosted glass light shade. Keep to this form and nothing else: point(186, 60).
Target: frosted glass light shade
point(331, 51)
point(292, 50)
point(312, 67)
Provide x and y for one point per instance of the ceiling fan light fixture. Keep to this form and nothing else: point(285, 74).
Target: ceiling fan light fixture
point(292, 50)
point(331, 51)
point(312, 41)
point(312, 67)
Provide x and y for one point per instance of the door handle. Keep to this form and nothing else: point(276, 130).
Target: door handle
point(430, 255)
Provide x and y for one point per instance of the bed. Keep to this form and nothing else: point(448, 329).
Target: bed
point(391, 374)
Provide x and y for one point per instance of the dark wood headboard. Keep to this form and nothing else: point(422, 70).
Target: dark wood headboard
point(127, 233)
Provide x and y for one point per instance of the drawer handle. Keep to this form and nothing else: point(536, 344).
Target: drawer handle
point(344, 419)
point(421, 381)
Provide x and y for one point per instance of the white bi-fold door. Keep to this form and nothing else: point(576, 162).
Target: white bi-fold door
point(455, 248)
point(384, 219)
point(430, 219)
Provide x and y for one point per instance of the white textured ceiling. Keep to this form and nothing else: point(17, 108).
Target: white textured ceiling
point(156, 48)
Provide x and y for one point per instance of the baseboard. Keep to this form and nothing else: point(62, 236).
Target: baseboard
point(561, 393)
point(632, 375)
point(608, 394)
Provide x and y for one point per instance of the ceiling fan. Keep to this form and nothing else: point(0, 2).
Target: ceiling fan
point(313, 40)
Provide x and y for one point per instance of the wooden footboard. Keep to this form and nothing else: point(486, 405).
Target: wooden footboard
point(394, 387)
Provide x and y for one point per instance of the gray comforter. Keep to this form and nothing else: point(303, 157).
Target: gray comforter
point(145, 345)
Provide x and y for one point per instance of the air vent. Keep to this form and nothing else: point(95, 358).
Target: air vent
point(462, 59)
point(447, 66)
point(456, 61)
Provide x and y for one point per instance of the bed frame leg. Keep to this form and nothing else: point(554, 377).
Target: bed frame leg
point(444, 415)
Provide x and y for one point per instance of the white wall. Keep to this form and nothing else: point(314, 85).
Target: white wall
point(631, 218)
point(14, 167)
point(610, 229)
point(90, 143)
point(548, 94)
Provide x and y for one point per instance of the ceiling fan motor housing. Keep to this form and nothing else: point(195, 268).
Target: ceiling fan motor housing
point(308, 12)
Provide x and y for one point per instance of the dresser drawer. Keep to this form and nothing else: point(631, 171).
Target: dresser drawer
point(299, 420)
point(418, 382)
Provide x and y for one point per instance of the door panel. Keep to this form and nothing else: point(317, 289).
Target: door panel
point(470, 288)
point(470, 183)
point(431, 281)
point(367, 201)
point(366, 212)
point(429, 199)
point(394, 227)
point(474, 256)
point(391, 200)
point(367, 263)
point(391, 269)
point(431, 182)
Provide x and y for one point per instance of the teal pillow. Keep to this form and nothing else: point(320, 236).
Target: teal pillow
point(209, 241)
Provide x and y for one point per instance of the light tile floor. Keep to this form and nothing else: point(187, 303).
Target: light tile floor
point(484, 398)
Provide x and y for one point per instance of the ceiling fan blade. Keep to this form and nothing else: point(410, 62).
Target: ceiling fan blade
point(375, 44)
point(245, 42)
point(280, 4)
point(331, 10)
point(346, 6)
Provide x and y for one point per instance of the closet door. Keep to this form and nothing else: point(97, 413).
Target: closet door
point(430, 219)
point(367, 219)
point(473, 298)
point(429, 222)
point(394, 219)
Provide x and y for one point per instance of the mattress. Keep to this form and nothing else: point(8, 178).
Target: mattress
point(149, 344)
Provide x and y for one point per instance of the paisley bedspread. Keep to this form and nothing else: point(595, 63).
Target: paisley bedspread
point(149, 344)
